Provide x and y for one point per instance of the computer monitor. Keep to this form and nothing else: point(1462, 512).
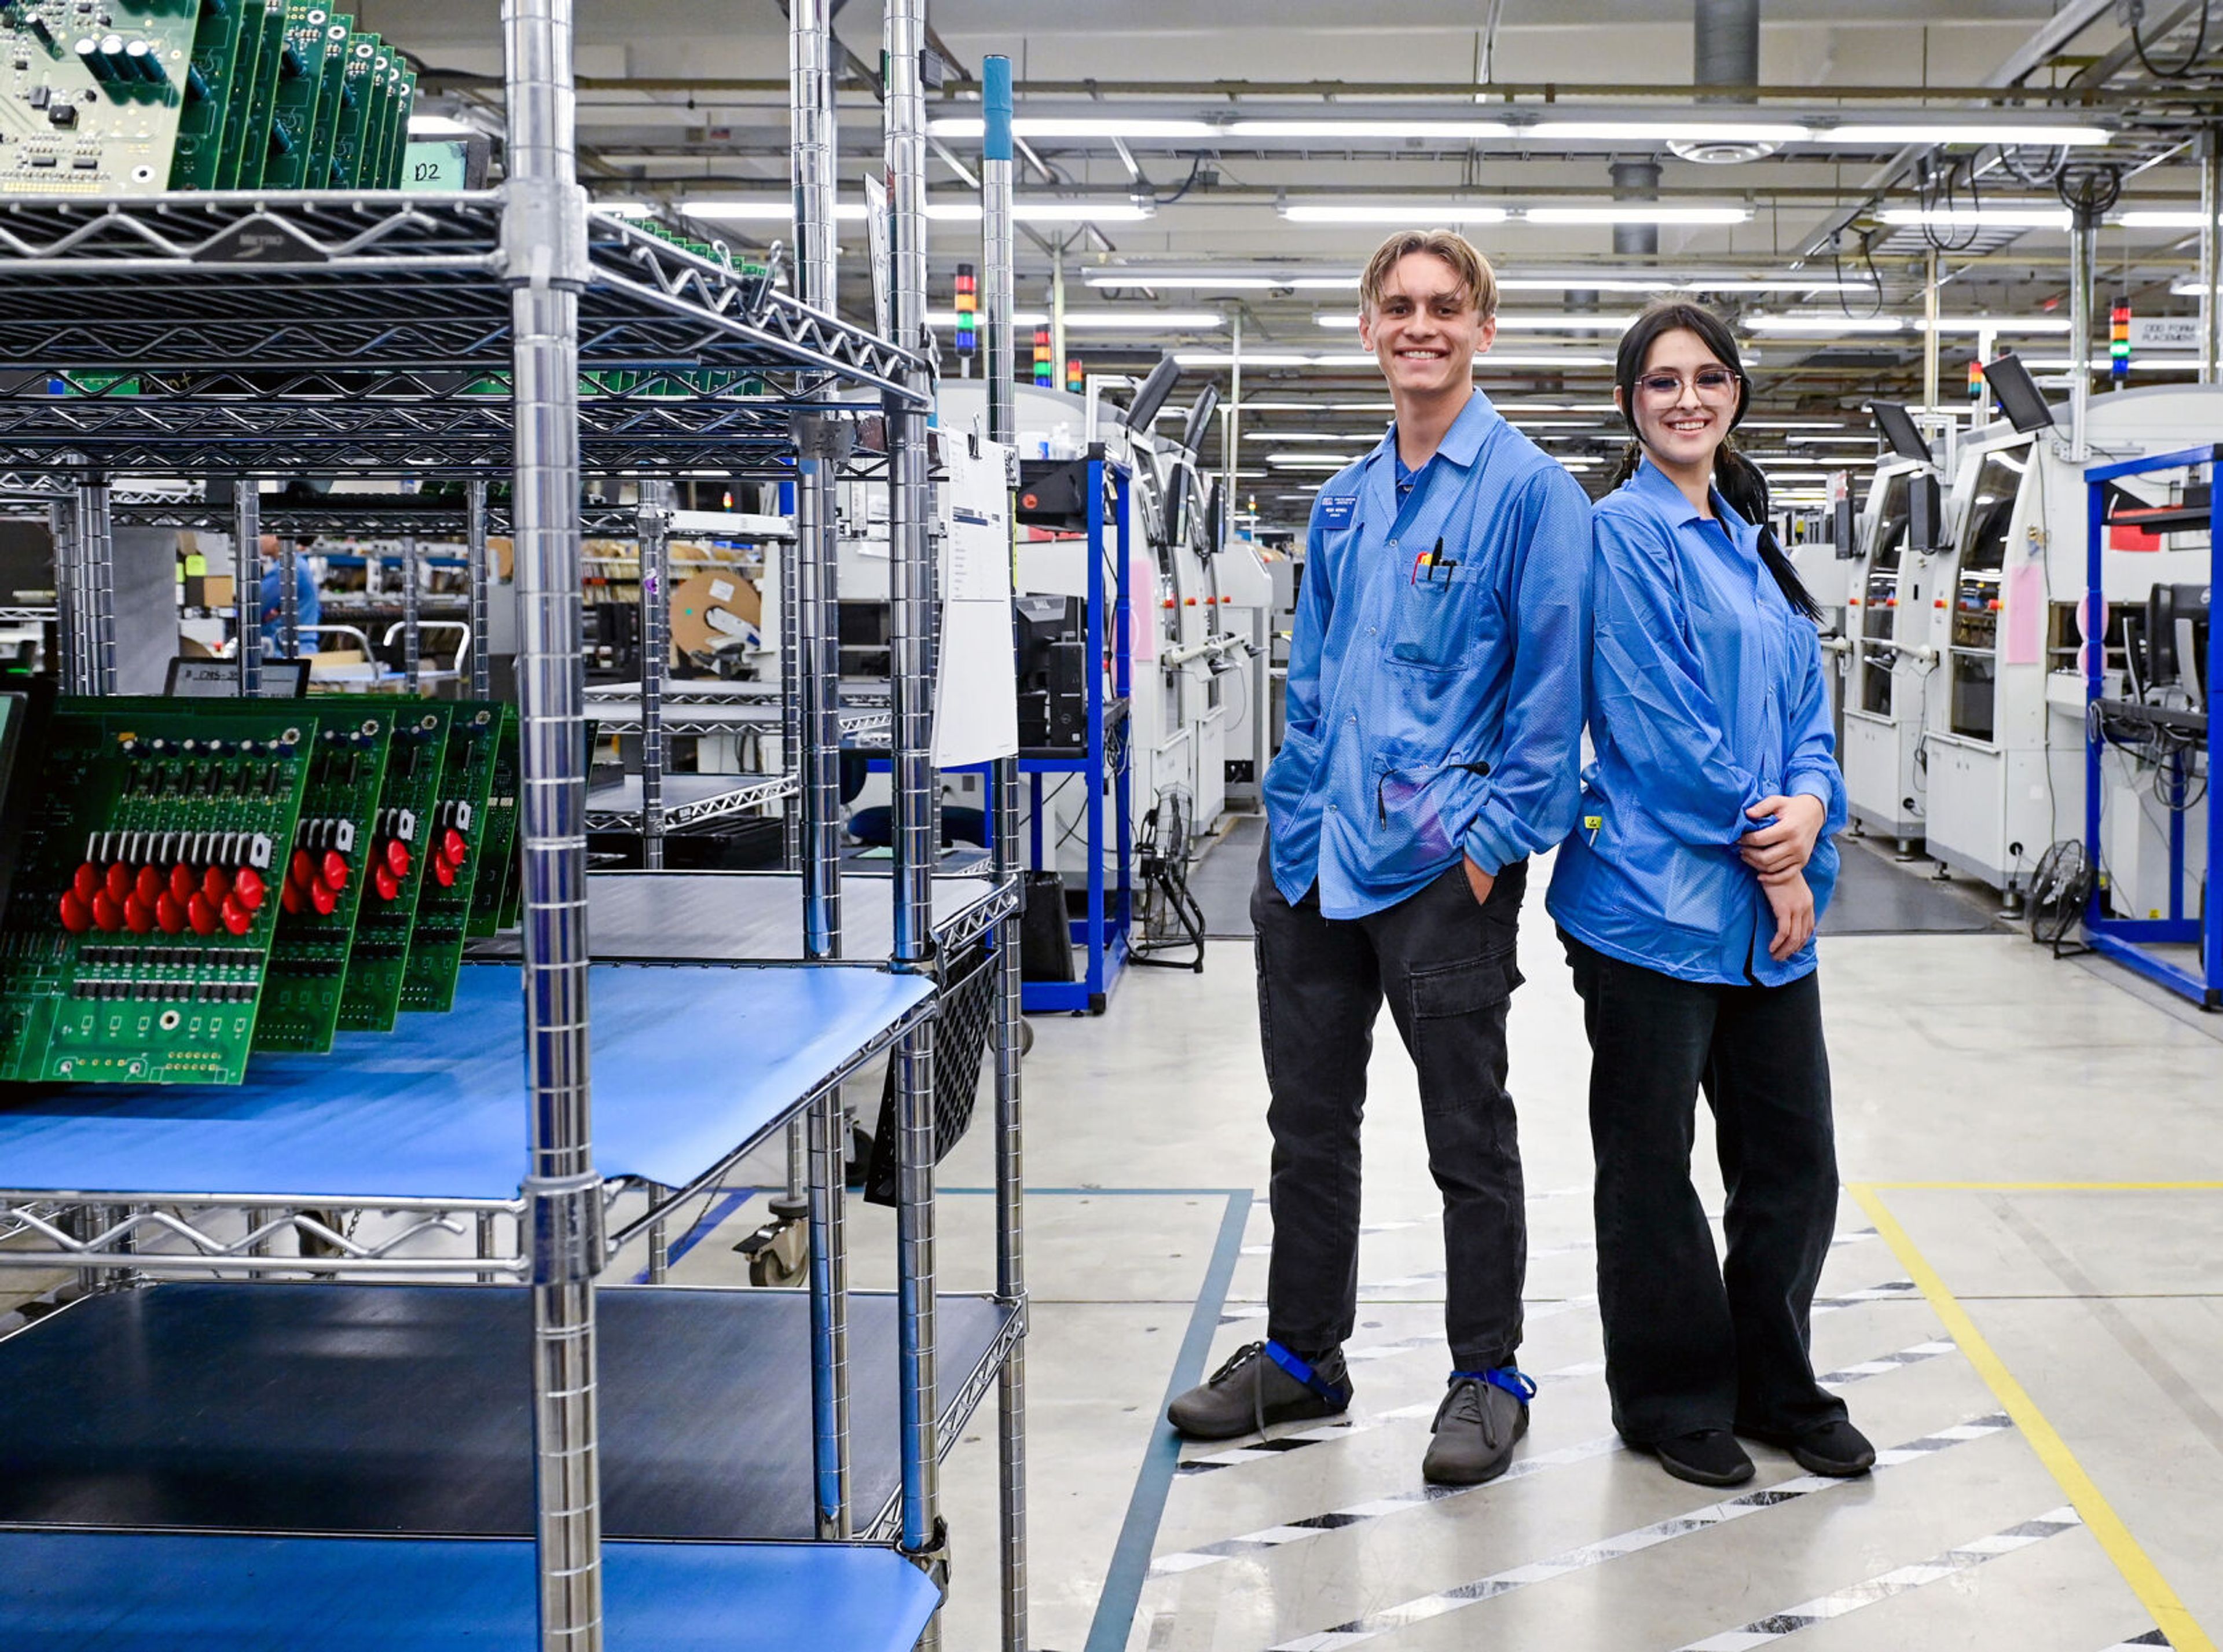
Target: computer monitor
point(1897, 427)
point(1199, 424)
point(1152, 396)
point(206, 679)
point(2020, 398)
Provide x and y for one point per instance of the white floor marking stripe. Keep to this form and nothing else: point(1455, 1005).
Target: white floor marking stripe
point(1629, 1542)
point(1377, 1508)
point(1262, 1451)
point(1884, 1585)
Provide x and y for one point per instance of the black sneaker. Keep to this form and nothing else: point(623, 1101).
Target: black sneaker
point(1708, 1457)
point(1261, 1383)
point(1481, 1420)
point(1836, 1449)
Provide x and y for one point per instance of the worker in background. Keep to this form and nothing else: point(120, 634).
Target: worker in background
point(1434, 734)
point(1686, 897)
point(308, 605)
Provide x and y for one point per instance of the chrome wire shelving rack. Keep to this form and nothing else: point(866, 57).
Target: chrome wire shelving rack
point(518, 334)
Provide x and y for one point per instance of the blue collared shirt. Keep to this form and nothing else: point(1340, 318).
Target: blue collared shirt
point(1434, 700)
point(1706, 696)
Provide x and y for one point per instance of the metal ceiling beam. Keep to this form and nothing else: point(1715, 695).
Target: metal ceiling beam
point(2064, 26)
point(1357, 93)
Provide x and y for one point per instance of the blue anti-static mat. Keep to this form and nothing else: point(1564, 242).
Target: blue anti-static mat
point(97, 1592)
point(688, 1064)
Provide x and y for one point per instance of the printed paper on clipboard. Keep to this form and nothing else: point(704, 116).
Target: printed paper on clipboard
point(976, 711)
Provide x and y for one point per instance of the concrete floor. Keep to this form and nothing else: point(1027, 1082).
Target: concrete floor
point(2037, 1323)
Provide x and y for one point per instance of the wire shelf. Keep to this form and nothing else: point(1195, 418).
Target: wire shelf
point(375, 334)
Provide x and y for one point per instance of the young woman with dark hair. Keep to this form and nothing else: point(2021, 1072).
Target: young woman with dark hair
point(1687, 898)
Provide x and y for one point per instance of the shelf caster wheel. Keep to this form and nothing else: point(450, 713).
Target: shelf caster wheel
point(1026, 1037)
point(779, 1252)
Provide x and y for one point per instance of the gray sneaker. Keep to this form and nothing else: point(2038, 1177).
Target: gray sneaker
point(1255, 1388)
point(1477, 1427)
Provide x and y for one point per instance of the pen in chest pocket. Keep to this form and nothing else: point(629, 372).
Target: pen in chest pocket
point(1428, 564)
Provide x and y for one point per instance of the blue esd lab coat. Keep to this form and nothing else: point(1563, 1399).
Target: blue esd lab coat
point(1706, 696)
point(1434, 704)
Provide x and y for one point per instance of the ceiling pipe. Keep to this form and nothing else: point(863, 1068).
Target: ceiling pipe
point(1726, 34)
point(1635, 181)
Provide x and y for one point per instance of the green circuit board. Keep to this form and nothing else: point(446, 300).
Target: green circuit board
point(453, 855)
point(91, 96)
point(498, 890)
point(216, 70)
point(321, 893)
point(361, 84)
point(246, 121)
point(393, 862)
point(310, 70)
point(134, 97)
point(144, 904)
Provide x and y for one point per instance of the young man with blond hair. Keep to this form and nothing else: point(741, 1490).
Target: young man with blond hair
point(1435, 715)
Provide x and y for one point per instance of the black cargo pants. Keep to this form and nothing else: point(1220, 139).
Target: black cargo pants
point(1445, 962)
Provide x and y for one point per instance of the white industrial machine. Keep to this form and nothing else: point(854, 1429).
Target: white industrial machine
point(2002, 746)
point(1887, 685)
point(1201, 601)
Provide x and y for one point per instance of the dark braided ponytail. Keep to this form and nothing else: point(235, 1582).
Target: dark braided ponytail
point(1736, 478)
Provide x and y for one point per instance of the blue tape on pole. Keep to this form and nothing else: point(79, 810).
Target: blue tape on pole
point(996, 104)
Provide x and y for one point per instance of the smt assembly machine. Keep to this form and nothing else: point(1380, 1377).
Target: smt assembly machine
point(2002, 744)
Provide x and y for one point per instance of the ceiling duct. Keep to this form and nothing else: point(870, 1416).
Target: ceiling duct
point(1635, 181)
point(1725, 37)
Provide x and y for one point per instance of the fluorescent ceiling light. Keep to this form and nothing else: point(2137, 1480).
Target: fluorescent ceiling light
point(1311, 461)
point(1343, 319)
point(440, 126)
point(1581, 283)
point(1655, 132)
point(2030, 215)
point(1993, 325)
point(1948, 132)
point(1636, 212)
point(2149, 219)
point(1141, 321)
point(625, 209)
point(1245, 281)
point(2101, 363)
point(1332, 129)
point(1045, 212)
point(1053, 126)
point(1223, 358)
point(1801, 424)
point(1308, 435)
point(768, 209)
point(1485, 361)
point(1824, 323)
point(1414, 212)
point(766, 212)
point(1849, 437)
point(1019, 318)
point(779, 209)
point(1777, 284)
point(1287, 406)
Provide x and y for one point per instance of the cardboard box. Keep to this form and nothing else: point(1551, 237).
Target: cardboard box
point(715, 611)
point(210, 591)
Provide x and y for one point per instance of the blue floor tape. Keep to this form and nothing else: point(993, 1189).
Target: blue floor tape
point(1138, 1534)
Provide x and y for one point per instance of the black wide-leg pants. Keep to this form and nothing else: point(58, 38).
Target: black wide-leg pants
point(1691, 1343)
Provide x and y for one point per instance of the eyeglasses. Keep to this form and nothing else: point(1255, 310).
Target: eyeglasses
point(1715, 384)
